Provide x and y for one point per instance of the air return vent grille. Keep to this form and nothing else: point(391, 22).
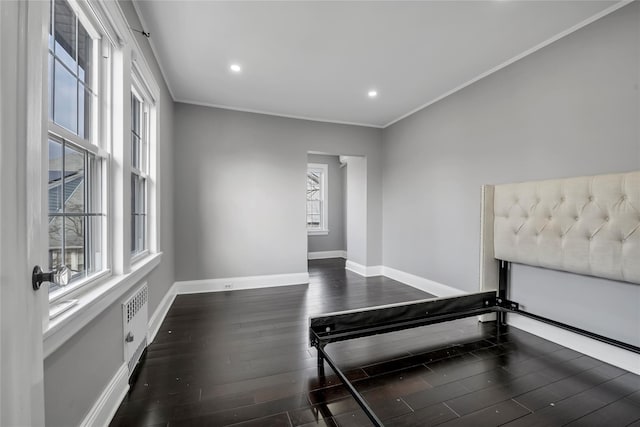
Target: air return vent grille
point(135, 303)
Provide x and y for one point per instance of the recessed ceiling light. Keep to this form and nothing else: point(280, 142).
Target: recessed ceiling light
point(372, 93)
point(235, 68)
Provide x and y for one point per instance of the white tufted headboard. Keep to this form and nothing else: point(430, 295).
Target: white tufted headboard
point(586, 225)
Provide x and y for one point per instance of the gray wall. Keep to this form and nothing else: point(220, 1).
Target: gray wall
point(356, 200)
point(240, 190)
point(335, 240)
point(569, 109)
point(76, 374)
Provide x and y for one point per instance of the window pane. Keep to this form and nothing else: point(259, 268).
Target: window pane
point(85, 57)
point(313, 207)
point(74, 245)
point(313, 213)
point(134, 198)
point(313, 185)
point(133, 234)
point(135, 151)
point(136, 203)
point(65, 33)
point(135, 132)
point(94, 245)
point(134, 190)
point(55, 176)
point(141, 208)
point(74, 180)
point(138, 213)
point(135, 115)
point(55, 242)
point(144, 139)
point(55, 246)
point(75, 202)
point(140, 232)
point(50, 86)
point(65, 108)
point(94, 184)
point(85, 107)
point(315, 181)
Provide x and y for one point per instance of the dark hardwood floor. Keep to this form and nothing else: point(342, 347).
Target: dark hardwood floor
point(242, 358)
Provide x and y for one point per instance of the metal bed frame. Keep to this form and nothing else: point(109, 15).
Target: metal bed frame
point(327, 328)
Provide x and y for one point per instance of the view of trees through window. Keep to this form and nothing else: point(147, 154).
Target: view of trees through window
point(314, 202)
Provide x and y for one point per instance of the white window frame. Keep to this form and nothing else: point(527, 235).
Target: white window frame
point(97, 144)
point(323, 229)
point(142, 177)
point(144, 87)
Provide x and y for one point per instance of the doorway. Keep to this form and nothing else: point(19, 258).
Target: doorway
point(336, 207)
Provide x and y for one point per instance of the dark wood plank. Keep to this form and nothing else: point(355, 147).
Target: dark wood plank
point(280, 420)
point(619, 413)
point(492, 416)
point(429, 416)
point(583, 403)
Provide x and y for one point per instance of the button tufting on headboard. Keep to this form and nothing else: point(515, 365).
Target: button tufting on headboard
point(586, 225)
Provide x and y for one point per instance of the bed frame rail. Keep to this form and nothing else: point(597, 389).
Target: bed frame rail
point(346, 325)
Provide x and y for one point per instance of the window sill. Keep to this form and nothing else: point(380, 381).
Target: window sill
point(93, 302)
point(138, 257)
point(317, 232)
point(73, 289)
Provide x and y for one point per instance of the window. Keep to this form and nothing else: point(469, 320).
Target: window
point(77, 161)
point(96, 152)
point(139, 173)
point(317, 199)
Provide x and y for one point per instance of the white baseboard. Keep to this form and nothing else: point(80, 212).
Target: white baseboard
point(366, 271)
point(607, 353)
point(235, 283)
point(426, 285)
point(107, 404)
point(326, 254)
point(375, 270)
point(160, 313)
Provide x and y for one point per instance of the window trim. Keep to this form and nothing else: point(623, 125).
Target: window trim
point(324, 196)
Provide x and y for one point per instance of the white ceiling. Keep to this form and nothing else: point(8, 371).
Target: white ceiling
point(318, 59)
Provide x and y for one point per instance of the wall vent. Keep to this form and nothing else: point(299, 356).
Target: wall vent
point(134, 320)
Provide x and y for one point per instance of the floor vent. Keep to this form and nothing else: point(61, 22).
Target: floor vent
point(135, 318)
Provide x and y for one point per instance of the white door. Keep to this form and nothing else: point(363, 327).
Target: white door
point(23, 27)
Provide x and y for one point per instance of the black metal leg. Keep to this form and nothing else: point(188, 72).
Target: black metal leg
point(319, 349)
point(356, 395)
point(503, 283)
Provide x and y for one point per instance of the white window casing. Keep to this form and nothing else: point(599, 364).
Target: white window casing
point(317, 210)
